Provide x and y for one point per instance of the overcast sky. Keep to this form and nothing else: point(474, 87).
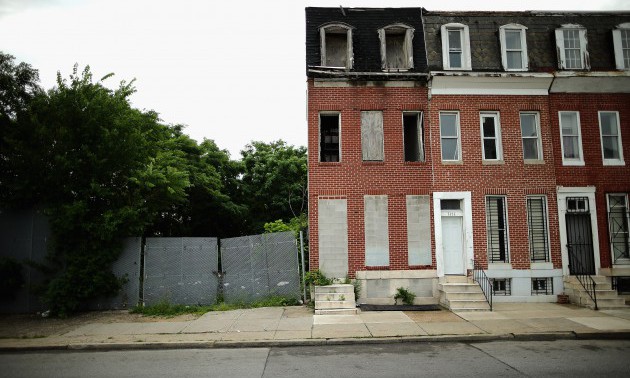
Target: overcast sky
point(232, 71)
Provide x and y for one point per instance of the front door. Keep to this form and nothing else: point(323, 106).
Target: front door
point(453, 245)
point(579, 236)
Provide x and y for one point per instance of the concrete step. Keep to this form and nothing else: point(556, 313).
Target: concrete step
point(455, 279)
point(597, 279)
point(601, 294)
point(337, 289)
point(344, 311)
point(466, 296)
point(334, 297)
point(468, 305)
point(329, 305)
point(459, 287)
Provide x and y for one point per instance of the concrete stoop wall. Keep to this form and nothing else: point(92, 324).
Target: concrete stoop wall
point(606, 297)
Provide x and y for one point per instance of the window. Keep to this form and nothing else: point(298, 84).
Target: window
point(571, 138)
point(621, 42)
point(577, 205)
point(491, 136)
point(513, 47)
point(412, 136)
point(329, 126)
point(497, 233)
point(456, 47)
point(530, 132)
point(538, 228)
point(396, 47)
point(372, 136)
point(418, 230)
point(376, 231)
point(336, 46)
point(542, 286)
point(502, 286)
point(571, 44)
point(449, 136)
point(618, 227)
point(450, 204)
point(612, 153)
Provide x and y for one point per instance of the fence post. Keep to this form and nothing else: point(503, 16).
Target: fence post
point(303, 267)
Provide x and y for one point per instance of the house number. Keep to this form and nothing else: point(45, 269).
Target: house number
point(451, 214)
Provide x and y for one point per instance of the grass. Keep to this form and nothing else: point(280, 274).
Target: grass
point(165, 308)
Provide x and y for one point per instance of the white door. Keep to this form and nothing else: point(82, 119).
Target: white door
point(453, 245)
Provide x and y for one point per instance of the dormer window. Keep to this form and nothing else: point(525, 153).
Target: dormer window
point(571, 44)
point(513, 47)
point(456, 47)
point(396, 47)
point(621, 41)
point(336, 46)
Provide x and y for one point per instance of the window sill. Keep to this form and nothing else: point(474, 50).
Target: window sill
point(541, 265)
point(373, 162)
point(533, 161)
point(573, 163)
point(329, 163)
point(396, 69)
point(457, 69)
point(614, 163)
point(452, 162)
point(492, 162)
point(415, 163)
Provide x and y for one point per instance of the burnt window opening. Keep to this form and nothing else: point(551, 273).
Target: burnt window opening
point(336, 46)
point(396, 47)
point(329, 137)
point(413, 137)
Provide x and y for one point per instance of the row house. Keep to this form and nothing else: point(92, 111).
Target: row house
point(446, 142)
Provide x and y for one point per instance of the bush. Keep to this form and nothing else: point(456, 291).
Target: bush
point(317, 278)
point(405, 295)
point(11, 278)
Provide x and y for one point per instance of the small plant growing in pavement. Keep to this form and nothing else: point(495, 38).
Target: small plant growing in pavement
point(404, 295)
point(356, 284)
point(342, 297)
point(317, 278)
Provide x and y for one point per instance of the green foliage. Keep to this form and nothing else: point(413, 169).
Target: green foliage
point(11, 278)
point(296, 224)
point(165, 308)
point(356, 284)
point(317, 278)
point(405, 295)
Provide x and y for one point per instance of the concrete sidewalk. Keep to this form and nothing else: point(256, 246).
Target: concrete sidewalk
point(277, 326)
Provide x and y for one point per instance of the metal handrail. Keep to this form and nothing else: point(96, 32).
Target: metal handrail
point(585, 279)
point(479, 276)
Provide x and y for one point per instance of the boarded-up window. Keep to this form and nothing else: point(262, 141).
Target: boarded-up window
point(372, 135)
point(418, 230)
point(333, 237)
point(413, 138)
point(336, 46)
point(396, 47)
point(376, 231)
point(329, 137)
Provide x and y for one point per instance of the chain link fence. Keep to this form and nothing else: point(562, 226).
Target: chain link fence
point(180, 271)
point(260, 266)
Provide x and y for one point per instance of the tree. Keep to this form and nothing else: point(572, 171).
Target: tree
point(274, 182)
point(100, 169)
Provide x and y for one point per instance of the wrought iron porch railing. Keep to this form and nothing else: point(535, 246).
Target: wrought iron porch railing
point(585, 279)
point(479, 276)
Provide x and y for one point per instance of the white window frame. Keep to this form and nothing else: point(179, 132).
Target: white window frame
point(605, 161)
point(618, 46)
point(538, 136)
point(586, 64)
point(466, 59)
point(459, 136)
point(322, 40)
point(624, 260)
point(524, 58)
point(571, 161)
point(497, 135)
point(407, 48)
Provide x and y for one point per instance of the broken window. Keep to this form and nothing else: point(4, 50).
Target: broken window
point(372, 136)
point(336, 46)
point(329, 127)
point(412, 137)
point(396, 47)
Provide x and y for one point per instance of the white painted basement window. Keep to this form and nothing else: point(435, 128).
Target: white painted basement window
point(456, 47)
point(413, 136)
point(571, 138)
point(396, 47)
point(336, 46)
point(612, 152)
point(376, 231)
point(572, 47)
point(513, 47)
point(372, 136)
point(621, 42)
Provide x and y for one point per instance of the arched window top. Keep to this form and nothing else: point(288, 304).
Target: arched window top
point(336, 45)
point(513, 26)
point(336, 27)
point(397, 27)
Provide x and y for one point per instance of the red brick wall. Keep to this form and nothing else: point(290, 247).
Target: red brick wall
point(606, 179)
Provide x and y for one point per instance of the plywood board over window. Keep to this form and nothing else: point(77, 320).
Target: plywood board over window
point(372, 136)
point(418, 230)
point(376, 231)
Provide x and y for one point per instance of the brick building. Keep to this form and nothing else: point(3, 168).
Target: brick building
point(441, 142)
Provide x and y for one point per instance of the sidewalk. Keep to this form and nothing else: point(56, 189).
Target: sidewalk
point(277, 326)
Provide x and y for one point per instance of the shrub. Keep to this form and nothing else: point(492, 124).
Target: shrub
point(405, 295)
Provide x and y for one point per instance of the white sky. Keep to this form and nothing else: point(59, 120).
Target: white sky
point(232, 71)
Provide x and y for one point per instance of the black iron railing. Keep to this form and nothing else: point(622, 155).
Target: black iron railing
point(479, 275)
point(581, 273)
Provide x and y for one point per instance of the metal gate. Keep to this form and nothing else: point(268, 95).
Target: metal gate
point(580, 243)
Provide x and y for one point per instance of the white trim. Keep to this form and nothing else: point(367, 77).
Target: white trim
point(571, 161)
point(619, 61)
point(562, 194)
point(465, 197)
point(465, 40)
point(605, 161)
point(497, 135)
point(584, 56)
point(319, 135)
point(538, 136)
point(610, 245)
point(524, 58)
point(459, 135)
point(510, 84)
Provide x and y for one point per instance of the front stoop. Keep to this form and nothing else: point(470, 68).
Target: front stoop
point(460, 293)
point(607, 298)
point(335, 300)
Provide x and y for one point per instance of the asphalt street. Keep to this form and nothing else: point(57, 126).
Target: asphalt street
point(561, 358)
